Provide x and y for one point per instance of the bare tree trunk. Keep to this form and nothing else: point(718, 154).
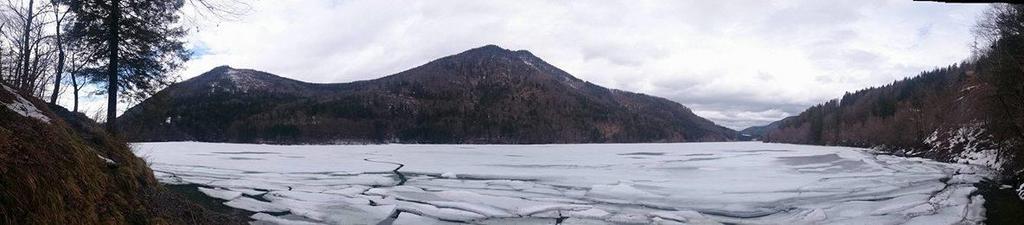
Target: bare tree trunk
point(73, 73)
point(74, 91)
point(2, 77)
point(60, 57)
point(25, 48)
point(113, 27)
point(36, 80)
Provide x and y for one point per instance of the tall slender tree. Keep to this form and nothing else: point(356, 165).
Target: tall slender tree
point(77, 71)
point(59, 17)
point(137, 41)
point(25, 48)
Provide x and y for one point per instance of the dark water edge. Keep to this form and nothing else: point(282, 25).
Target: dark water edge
point(191, 192)
point(1002, 206)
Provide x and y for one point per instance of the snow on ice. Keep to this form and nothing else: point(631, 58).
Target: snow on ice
point(687, 183)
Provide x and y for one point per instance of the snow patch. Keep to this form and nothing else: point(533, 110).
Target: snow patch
point(970, 144)
point(1020, 192)
point(24, 107)
point(107, 160)
point(244, 81)
point(528, 63)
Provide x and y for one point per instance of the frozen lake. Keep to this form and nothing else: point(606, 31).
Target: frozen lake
point(687, 183)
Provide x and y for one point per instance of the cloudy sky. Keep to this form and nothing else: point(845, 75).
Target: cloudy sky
point(738, 63)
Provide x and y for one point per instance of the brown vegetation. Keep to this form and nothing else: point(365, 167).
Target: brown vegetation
point(898, 116)
point(50, 175)
point(985, 94)
point(57, 172)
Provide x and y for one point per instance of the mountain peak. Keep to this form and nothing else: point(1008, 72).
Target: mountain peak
point(487, 50)
point(491, 46)
point(223, 67)
point(494, 50)
point(489, 60)
point(220, 71)
point(227, 78)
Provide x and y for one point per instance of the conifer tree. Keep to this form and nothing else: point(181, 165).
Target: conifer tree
point(138, 42)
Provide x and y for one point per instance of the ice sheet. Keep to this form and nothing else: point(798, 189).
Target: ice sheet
point(687, 183)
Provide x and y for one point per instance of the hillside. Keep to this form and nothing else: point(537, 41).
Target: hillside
point(59, 167)
point(758, 132)
point(968, 113)
point(940, 114)
point(902, 114)
point(483, 95)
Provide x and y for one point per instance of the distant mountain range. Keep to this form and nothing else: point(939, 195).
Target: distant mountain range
point(483, 95)
point(758, 132)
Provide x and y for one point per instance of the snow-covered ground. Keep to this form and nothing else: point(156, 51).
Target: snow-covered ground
point(23, 106)
point(691, 183)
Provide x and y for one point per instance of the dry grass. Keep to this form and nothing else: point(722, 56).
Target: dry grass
point(51, 173)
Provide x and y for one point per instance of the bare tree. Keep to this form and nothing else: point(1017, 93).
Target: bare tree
point(135, 45)
point(58, 41)
point(25, 48)
point(77, 72)
point(1001, 56)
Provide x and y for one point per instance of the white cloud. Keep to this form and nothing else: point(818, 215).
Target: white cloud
point(739, 63)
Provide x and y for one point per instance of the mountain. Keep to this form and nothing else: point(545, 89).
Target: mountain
point(758, 132)
point(899, 115)
point(971, 112)
point(938, 114)
point(483, 95)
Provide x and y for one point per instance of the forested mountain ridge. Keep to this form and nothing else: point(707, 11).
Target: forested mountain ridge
point(483, 95)
point(972, 112)
point(900, 115)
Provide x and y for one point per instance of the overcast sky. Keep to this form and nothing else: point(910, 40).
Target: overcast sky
point(738, 63)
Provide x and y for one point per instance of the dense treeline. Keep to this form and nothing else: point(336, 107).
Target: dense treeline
point(943, 113)
point(900, 114)
point(1001, 76)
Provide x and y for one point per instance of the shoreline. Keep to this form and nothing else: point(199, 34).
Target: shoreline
point(191, 194)
point(1002, 206)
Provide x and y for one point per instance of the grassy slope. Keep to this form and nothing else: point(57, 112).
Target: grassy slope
point(52, 173)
